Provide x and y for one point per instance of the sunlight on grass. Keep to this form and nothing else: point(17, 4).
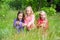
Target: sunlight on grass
point(8, 32)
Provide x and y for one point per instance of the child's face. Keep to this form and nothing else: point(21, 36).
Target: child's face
point(20, 16)
point(43, 16)
point(28, 11)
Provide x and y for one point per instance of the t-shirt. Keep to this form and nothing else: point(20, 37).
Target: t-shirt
point(29, 20)
point(20, 23)
point(40, 21)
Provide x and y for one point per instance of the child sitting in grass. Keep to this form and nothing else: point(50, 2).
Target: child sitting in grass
point(29, 18)
point(18, 22)
point(42, 22)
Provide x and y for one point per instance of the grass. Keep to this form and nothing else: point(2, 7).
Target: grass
point(8, 32)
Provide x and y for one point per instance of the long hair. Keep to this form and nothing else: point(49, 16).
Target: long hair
point(41, 13)
point(19, 12)
point(30, 9)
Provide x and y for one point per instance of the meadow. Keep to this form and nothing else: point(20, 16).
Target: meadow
point(8, 32)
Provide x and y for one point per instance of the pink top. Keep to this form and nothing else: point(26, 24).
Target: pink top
point(29, 20)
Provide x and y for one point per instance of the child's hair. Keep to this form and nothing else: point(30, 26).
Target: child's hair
point(30, 9)
point(43, 13)
point(19, 12)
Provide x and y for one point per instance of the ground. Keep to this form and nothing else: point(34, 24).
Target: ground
point(8, 32)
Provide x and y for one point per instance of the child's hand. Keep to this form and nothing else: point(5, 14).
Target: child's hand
point(23, 24)
point(28, 25)
point(42, 25)
point(17, 22)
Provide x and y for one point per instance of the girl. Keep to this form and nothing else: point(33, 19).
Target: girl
point(29, 18)
point(18, 22)
point(43, 22)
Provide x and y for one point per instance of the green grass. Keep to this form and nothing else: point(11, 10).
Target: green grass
point(8, 32)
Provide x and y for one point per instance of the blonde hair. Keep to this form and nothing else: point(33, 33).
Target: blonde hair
point(43, 12)
point(30, 9)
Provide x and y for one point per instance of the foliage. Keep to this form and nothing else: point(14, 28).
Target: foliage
point(49, 10)
point(4, 7)
point(8, 32)
point(56, 1)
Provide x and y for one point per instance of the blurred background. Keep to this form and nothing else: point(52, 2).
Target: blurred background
point(9, 9)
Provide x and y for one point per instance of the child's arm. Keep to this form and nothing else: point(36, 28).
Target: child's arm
point(16, 23)
point(23, 24)
point(38, 23)
point(32, 21)
point(44, 25)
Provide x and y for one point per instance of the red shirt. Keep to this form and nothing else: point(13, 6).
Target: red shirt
point(41, 21)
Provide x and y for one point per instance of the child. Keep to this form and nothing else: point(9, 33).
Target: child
point(43, 22)
point(29, 18)
point(18, 22)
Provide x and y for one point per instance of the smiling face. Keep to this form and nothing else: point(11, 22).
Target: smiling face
point(20, 16)
point(28, 10)
point(43, 15)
